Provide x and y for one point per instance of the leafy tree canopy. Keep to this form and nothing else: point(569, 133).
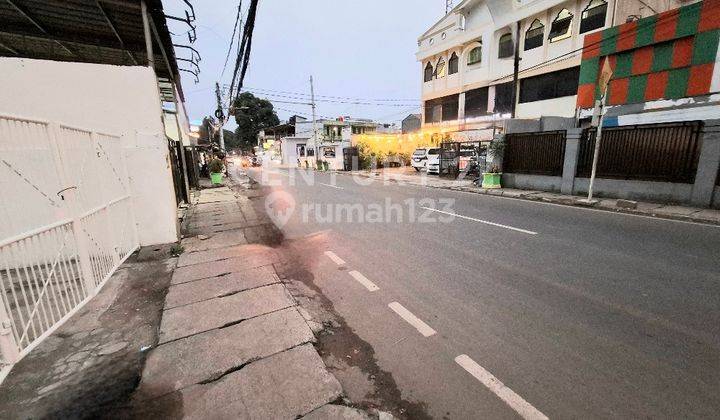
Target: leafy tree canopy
point(252, 114)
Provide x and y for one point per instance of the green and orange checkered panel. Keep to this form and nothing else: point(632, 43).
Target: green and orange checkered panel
point(667, 56)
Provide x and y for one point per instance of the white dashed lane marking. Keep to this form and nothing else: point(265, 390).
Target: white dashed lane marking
point(332, 186)
point(364, 281)
point(337, 260)
point(411, 319)
point(516, 402)
point(529, 232)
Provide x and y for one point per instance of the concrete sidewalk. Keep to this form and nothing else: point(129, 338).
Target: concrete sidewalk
point(666, 211)
point(93, 362)
point(232, 342)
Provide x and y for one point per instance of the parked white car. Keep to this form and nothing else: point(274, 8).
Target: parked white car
point(419, 159)
point(433, 162)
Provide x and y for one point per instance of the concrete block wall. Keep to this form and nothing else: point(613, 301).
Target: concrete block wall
point(702, 193)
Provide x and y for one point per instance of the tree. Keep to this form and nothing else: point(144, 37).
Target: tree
point(209, 134)
point(252, 114)
point(206, 128)
point(230, 141)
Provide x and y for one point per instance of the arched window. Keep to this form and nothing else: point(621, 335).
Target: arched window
point(593, 17)
point(453, 64)
point(562, 26)
point(506, 46)
point(535, 35)
point(474, 56)
point(440, 68)
point(428, 72)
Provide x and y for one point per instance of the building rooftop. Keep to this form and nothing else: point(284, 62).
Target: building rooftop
point(100, 32)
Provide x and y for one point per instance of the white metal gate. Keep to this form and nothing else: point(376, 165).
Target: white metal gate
point(66, 224)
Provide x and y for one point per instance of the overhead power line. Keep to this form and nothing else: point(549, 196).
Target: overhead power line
point(298, 99)
point(302, 114)
point(330, 96)
point(238, 22)
point(243, 57)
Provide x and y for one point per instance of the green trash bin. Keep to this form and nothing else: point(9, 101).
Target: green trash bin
point(216, 178)
point(491, 180)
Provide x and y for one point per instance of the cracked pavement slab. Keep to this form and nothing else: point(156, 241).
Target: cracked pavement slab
point(216, 241)
point(207, 356)
point(206, 315)
point(215, 287)
point(286, 385)
point(335, 412)
point(241, 251)
point(216, 268)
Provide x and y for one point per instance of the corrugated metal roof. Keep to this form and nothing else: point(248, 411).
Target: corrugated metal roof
point(89, 31)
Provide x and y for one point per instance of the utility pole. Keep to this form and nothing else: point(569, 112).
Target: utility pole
point(312, 99)
point(220, 116)
point(516, 71)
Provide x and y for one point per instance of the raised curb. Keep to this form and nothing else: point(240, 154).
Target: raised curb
point(570, 201)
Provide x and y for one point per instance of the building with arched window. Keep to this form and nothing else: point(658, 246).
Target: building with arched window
point(468, 58)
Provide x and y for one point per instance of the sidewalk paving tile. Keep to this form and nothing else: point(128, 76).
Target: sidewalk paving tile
point(207, 356)
point(711, 215)
point(217, 240)
point(647, 207)
point(215, 208)
point(676, 210)
point(223, 219)
point(214, 287)
point(211, 230)
point(284, 386)
point(217, 268)
point(240, 251)
point(248, 211)
point(333, 412)
point(216, 195)
point(214, 313)
point(515, 193)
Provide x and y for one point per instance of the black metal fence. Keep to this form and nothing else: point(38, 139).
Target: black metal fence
point(449, 160)
point(193, 171)
point(654, 152)
point(466, 158)
point(351, 157)
point(177, 169)
point(535, 153)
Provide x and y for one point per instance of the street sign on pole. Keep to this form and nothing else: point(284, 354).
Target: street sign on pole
point(598, 117)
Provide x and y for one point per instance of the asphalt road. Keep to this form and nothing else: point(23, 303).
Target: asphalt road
point(579, 313)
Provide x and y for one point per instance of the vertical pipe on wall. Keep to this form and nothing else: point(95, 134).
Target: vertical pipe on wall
point(516, 70)
point(148, 36)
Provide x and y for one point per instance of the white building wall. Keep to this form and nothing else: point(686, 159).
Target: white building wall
point(112, 99)
point(482, 22)
point(175, 119)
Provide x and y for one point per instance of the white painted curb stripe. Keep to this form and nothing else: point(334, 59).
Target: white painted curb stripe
point(331, 186)
point(506, 394)
point(364, 281)
point(529, 232)
point(337, 260)
point(411, 319)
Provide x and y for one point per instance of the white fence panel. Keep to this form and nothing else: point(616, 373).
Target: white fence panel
point(68, 224)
